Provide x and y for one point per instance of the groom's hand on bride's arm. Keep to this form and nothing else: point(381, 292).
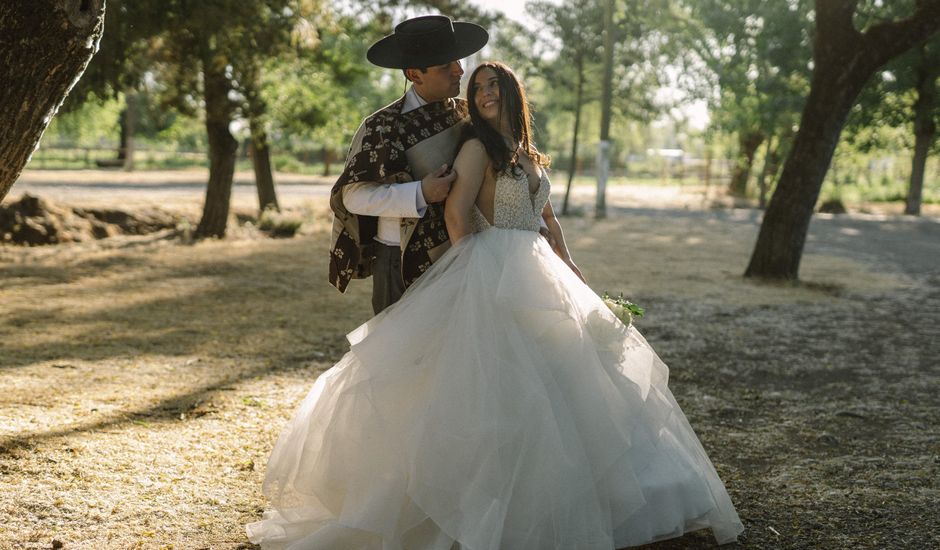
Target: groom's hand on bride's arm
point(436, 185)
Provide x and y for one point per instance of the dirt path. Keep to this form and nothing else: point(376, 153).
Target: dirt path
point(142, 382)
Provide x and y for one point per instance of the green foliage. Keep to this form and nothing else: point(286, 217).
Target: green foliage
point(624, 309)
point(758, 54)
point(565, 58)
point(93, 125)
point(124, 53)
point(297, 69)
point(320, 99)
point(889, 101)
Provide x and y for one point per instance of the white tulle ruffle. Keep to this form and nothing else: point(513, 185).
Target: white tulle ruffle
point(498, 405)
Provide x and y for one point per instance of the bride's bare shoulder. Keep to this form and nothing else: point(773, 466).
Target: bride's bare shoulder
point(472, 148)
point(472, 157)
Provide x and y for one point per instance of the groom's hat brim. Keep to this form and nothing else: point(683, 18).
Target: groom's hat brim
point(427, 41)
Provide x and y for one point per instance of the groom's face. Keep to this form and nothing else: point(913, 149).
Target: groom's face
point(438, 82)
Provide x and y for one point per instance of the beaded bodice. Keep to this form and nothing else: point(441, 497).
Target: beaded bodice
point(513, 206)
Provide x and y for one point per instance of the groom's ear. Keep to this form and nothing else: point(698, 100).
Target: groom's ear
point(414, 75)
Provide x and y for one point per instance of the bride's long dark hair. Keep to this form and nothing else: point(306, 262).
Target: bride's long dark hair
point(515, 105)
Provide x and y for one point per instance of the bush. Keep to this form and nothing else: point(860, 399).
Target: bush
point(279, 225)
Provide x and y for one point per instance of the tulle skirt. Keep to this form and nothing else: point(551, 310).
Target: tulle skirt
point(498, 405)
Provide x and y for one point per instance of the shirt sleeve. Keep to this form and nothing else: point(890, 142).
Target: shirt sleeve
point(400, 200)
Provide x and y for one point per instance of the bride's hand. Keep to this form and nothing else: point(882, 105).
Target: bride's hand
point(550, 238)
point(574, 268)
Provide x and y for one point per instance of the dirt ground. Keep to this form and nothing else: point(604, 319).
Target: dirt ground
point(143, 381)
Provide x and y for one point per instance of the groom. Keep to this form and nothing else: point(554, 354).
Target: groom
point(388, 203)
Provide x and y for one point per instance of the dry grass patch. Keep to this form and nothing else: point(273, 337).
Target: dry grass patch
point(143, 382)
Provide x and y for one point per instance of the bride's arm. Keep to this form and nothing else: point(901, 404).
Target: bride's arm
point(470, 165)
point(561, 248)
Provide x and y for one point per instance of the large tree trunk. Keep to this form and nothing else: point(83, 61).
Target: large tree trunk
point(222, 150)
point(782, 234)
point(844, 61)
point(45, 46)
point(925, 131)
point(261, 162)
point(748, 143)
point(573, 165)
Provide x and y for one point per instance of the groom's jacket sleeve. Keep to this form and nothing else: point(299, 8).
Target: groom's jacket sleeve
point(385, 200)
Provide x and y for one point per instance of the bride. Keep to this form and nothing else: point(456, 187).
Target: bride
point(499, 404)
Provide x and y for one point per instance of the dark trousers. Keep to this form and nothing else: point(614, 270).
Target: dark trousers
point(387, 284)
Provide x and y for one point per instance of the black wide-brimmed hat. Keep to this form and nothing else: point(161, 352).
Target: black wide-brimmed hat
point(427, 41)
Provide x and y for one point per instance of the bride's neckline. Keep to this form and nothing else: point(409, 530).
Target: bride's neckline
point(510, 170)
point(524, 178)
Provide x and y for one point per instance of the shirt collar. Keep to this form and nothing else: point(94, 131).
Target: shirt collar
point(412, 100)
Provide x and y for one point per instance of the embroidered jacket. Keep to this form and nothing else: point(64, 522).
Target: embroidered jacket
point(391, 147)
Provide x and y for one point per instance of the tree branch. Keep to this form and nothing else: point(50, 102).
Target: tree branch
point(835, 16)
point(887, 40)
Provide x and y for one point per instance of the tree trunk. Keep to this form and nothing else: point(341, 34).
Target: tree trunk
point(261, 162)
point(130, 129)
point(765, 171)
point(707, 175)
point(925, 131)
point(222, 150)
point(327, 160)
point(603, 146)
point(844, 60)
point(122, 125)
point(779, 246)
point(44, 48)
point(748, 143)
point(573, 164)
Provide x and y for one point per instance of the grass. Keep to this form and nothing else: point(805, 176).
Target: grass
point(884, 191)
point(142, 383)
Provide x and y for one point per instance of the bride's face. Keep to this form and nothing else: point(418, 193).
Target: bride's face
point(486, 86)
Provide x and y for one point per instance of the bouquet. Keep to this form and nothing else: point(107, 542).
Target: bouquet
point(624, 309)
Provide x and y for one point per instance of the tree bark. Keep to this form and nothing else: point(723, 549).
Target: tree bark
point(222, 150)
point(44, 48)
point(844, 60)
point(261, 162)
point(748, 143)
point(925, 131)
point(579, 94)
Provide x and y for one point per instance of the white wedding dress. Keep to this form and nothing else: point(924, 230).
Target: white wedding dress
point(498, 406)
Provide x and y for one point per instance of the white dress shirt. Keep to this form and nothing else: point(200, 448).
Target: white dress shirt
point(390, 202)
